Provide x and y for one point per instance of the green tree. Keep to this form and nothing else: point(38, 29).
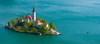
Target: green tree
point(48, 32)
point(44, 21)
point(23, 16)
point(19, 28)
point(14, 28)
point(19, 23)
point(32, 25)
point(29, 28)
point(25, 28)
point(52, 26)
point(12, 21)
point(27, 23)
point(38, 18)
point(34, 30)
point(9, 24)
point(42, 29)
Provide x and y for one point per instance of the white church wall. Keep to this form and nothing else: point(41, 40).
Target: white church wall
point(33, 16)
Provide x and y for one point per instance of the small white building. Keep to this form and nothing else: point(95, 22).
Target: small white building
point(38, 23)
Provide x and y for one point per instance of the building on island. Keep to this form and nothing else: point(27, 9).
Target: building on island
point(32, 23)
point(38, 23)
point(33, 14)
point(28, 18)
point(33, 19)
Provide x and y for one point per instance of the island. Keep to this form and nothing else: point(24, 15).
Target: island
point(33, 25)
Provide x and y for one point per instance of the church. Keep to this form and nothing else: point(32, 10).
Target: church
point(29, 18)
point(33, 19)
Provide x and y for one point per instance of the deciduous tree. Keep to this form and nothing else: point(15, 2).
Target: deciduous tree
point(52, 25)
point(42, 29)
point(9, 24)
point(12, 21)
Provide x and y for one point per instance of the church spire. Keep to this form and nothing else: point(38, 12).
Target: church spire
point(33, 14)
point(33, 9)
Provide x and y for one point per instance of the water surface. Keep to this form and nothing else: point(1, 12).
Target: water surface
point(77, 16)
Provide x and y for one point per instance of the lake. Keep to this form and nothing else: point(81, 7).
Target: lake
point(73, 18)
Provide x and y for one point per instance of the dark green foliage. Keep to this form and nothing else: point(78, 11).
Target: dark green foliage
point(41, 19)
point(19, 23)
point(12, 21)
point(42, 29)
point(44, 21)
point(34, 30)
point(32, 25)
point(52, 26)
point(48, 32)
point(14, 28)
point(23, 16)
point(25, 28)
point(28, 23)
point(29, 27)
point(19, 28)
point(8, 24)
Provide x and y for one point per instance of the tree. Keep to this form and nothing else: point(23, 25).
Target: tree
point(19, 28)
point(9, 24)
point(18, 23)
point(52, 26)
point(27, 23)
point(34, 30)
point(48, 32)
point(44, 21)
point(32, 25)
point(38, 18)
point(42, 29)
point(25, 28)
point(23, 16)
point(12, 21)
point(14, 28)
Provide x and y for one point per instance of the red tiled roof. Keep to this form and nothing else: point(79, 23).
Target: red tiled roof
point(28, 17)
point(37, 21)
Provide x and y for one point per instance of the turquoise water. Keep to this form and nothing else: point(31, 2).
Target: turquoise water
point(73, 18)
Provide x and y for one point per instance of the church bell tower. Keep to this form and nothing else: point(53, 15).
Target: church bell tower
point(33, 14)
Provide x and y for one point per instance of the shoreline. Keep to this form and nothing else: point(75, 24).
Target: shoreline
point(6, 27)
